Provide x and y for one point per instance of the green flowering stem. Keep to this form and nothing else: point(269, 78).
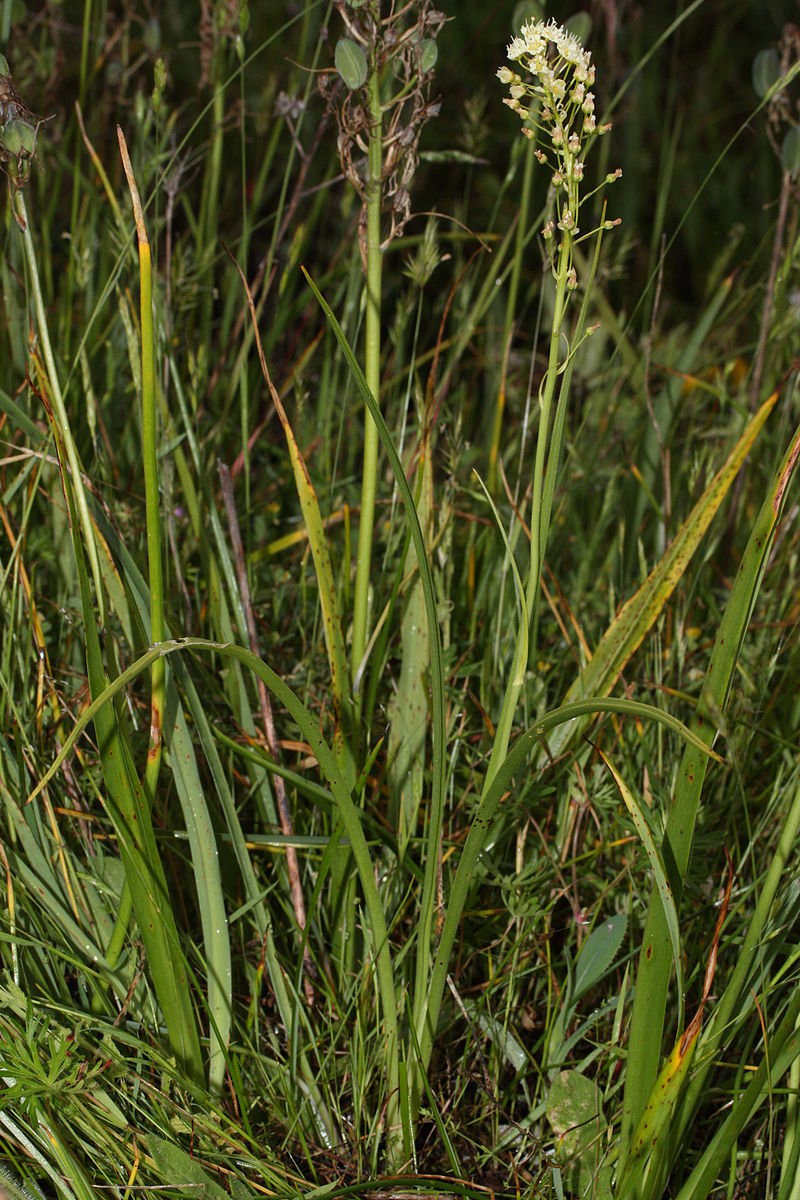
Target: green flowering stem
point(516, 675)
point(557, 114)
point(395, 1148)
point(562, 112)
point(511, 305)
point(538, 533)
point(565, 117)
point(372, 371)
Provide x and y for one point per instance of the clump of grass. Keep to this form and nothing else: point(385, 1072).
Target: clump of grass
point(362, 822)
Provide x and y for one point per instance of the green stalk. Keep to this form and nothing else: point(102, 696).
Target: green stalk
point(209, 204)
point(152, 518)
point(538, 533)
point(511, 307)
point(77, 180)
point(372, 371)
point(57, 401)
point(244, 245)
point(395, 1139)
point(158, 672)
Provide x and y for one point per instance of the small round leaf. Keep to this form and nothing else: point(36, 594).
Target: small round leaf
point(351, 63)
point(766, 69)
point(790, 152)
point(429, 52)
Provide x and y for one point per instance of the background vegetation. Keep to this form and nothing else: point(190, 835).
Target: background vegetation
point(218, 954)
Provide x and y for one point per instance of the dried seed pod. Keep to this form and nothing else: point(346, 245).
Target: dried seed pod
point(401, 44)
point(18, 130)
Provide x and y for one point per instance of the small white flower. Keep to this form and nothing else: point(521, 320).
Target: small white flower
point(516, 49)
point(548, 230)
point(505, 75)
point(574, 143)
point(534, 38)
point(517, 90)
point(554, 32)
point(572, 50)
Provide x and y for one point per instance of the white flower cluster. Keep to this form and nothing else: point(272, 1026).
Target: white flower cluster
point(564, 74)
point(535, 40)
point(558, 110)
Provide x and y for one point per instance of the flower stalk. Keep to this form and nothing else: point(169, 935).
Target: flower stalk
point(557, 110)
point(559, 116)
point(372, 372)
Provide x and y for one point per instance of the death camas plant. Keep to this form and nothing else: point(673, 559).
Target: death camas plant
point(551, 94)
point(556, 108)
point(558, 112)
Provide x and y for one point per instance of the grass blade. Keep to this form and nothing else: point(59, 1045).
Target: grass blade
point(206, 868)
point(434, 827)
point(130, 813)
point(652, 980)
point(659, 874)
point(638, 615)
point(331, 769)
point(315, 527)
point(784, 1049)
point(479, 830)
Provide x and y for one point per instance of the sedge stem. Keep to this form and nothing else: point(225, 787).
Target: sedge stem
point(372, 365)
